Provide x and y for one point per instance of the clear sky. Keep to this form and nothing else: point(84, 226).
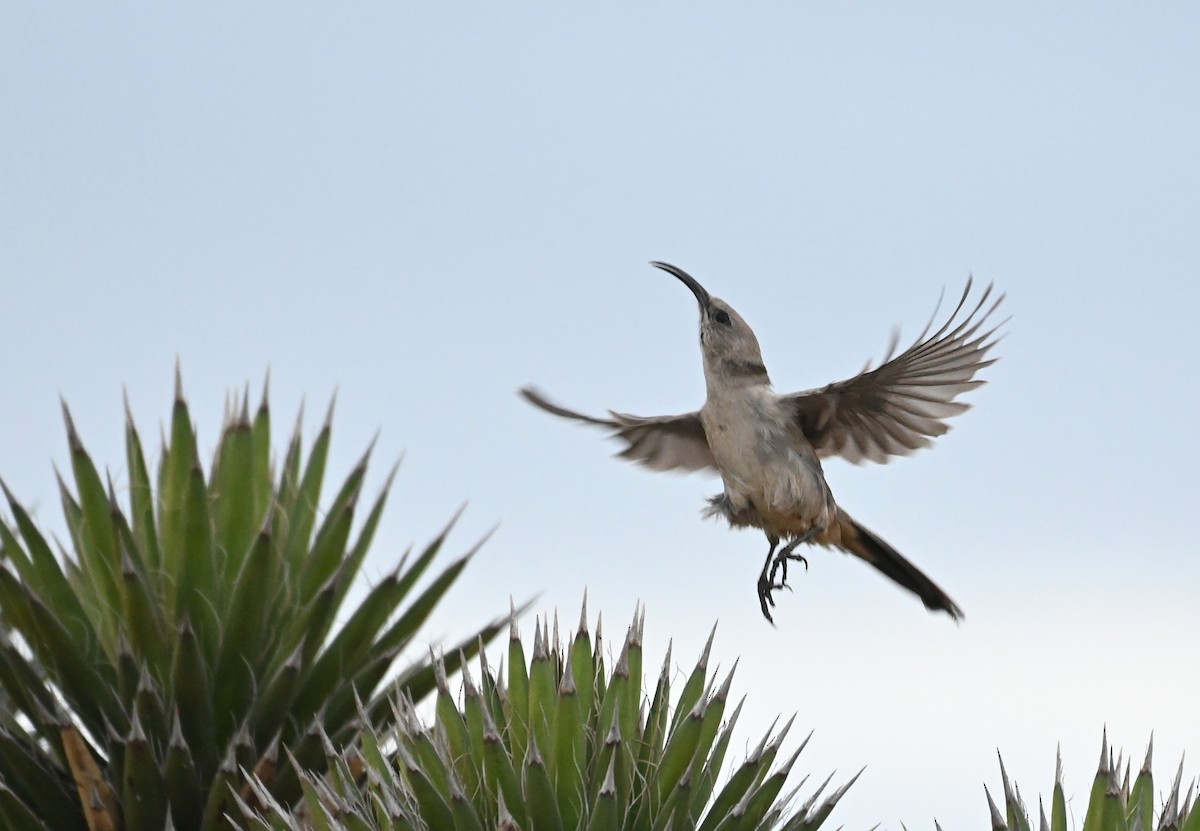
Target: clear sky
point(425, 206)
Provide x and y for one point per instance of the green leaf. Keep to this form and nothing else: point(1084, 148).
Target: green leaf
point(237, 515)
point(141, 498)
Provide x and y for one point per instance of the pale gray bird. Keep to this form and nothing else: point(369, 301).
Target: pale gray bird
point(768, 447)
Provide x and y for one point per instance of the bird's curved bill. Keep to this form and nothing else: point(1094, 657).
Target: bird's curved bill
point(688, 280)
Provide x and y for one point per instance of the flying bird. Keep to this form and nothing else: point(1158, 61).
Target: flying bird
point(768, 447)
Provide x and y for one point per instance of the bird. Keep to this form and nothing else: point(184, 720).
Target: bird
point(768, 447)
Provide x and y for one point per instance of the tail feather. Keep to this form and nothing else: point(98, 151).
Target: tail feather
point(857, 540)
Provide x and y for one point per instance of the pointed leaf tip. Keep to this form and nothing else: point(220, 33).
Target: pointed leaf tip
point(703, 662)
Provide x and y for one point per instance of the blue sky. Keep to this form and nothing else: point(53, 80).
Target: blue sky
point(426, 206)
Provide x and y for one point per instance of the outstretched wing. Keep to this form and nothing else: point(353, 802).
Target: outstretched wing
point(898, 407)
point(660, 443)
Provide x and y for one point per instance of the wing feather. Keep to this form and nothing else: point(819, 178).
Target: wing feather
point(898, 407)
point(660, 443)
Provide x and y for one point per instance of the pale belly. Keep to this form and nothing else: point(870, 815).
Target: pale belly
point(773, 479)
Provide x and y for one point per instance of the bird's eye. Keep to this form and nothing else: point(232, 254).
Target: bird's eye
point(722, 317)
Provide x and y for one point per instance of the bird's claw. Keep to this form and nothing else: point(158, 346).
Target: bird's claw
point(767, 583)
point(765, 587)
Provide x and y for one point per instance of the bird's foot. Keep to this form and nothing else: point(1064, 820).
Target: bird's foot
point(765, 586)
point(781, 565)
point(777, 566)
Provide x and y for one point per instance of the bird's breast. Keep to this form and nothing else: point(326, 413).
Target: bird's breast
point(766, 463)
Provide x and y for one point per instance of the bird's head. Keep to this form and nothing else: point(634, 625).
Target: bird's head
point(731, 351)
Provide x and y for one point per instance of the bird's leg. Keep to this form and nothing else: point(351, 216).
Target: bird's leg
point(788, 553)
point(766, 580)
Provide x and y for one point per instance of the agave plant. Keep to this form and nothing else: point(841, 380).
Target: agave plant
point(562, 745)
point(188, 636)
point(1113, 805)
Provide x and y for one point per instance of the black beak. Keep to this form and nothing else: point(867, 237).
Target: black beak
point(688, 280)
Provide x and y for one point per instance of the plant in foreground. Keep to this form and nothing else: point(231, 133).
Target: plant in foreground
point(189, 637)
point(1113, 805)
point(562, 745)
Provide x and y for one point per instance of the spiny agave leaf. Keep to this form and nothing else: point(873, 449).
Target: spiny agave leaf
point(598, 660)
point(541, 797)
point(97, 798)
point(197, 594)
point(351, 646)
point(148, 709)
point(611, 757)
point(272, 705)
point(654, 738)
point(1058, 802)
point(419, 681)
point(317, 814)
point(265, 772)
point(179, 458)
point(21, 679)
point(222, 795)
point(1094, 817)
point(568, 749)
point(307, 629)
point(1192, 821)
point(289, 479)
point(715, 712)
point(434, 809)
point(236, 512)
point(614, 699)
point(143, 616)
point(88, 686)
point(814, 817)
point(192, 689)
point(418, 610)
point(716, 758)
point(328, 549)
point(694, 686)
point(39, 567)
point(466, 764)
point(244, 634)
point(1114, 808)
point(450, 719)
point(632, 656)
point(543, 693)
point(262, 447)
point(1141, 799)
point(583, 667)
point(1015, 811)
point(301, 509)
point(739, 786)
point(16, 814)
point(499, 769)
point(306, 753)
point(465, 818)
point(352, 560)
point(427, 750)
point(517, 710)
point(99, 556)
point(680, 749)
point(181, 782)
point(491, 686)
point(765, 795)
point(144, 798)
point(341, 707)
point(141, 497)
point(676, 807)
point(606, 813)
point(15, 600)
point(43, 788)
point(998, 823)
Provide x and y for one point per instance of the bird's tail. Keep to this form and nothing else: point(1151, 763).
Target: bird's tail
point(848, 535)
